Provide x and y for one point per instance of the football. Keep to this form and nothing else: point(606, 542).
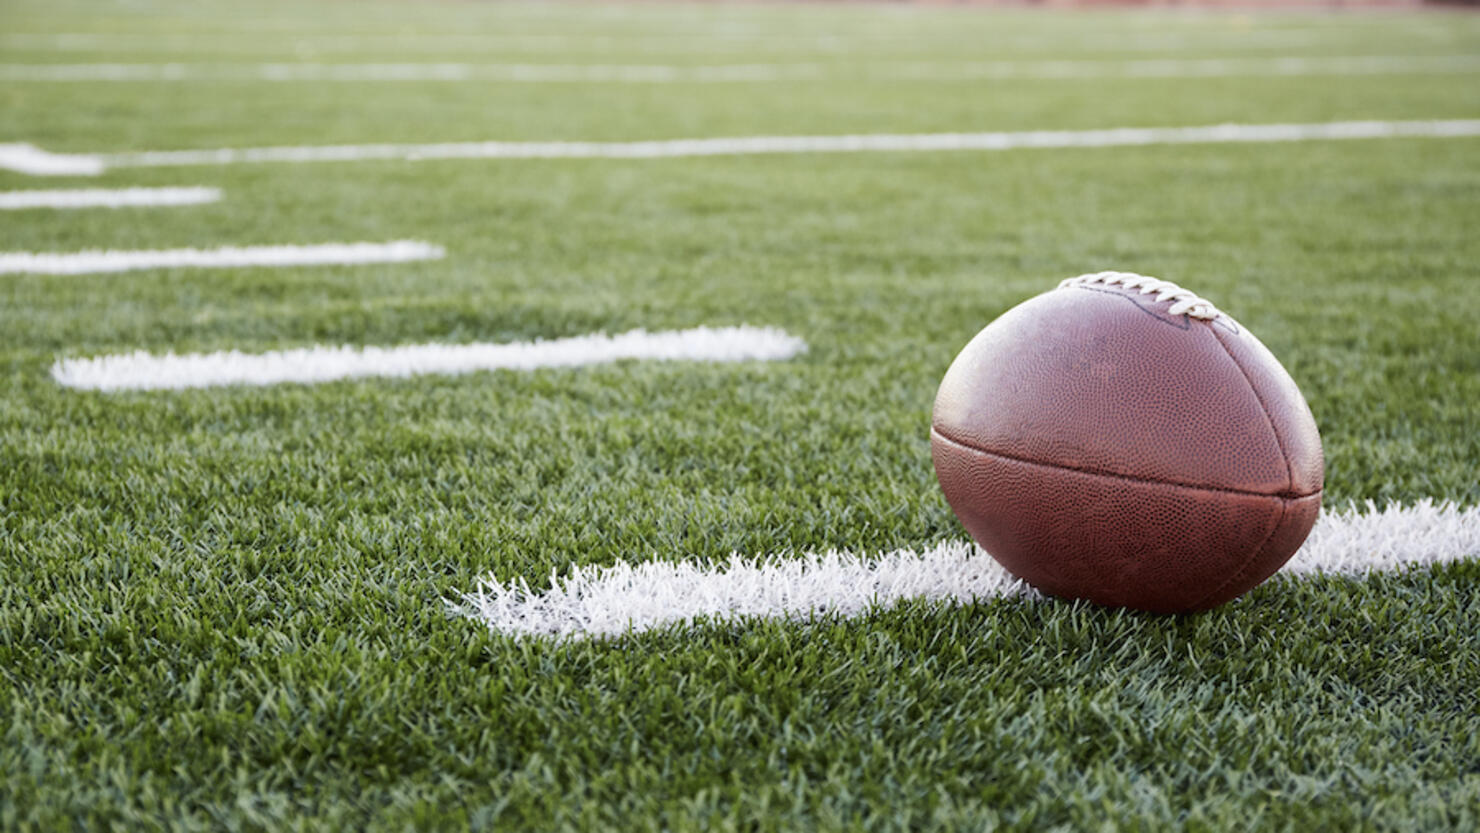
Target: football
point(1120, 440)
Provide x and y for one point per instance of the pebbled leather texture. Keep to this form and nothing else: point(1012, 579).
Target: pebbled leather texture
point(1102, 449)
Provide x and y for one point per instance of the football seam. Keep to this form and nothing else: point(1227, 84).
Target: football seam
point(935, 430)
point(1264, 409)
point(1184, 325)
point(1249, 559)
point(1223, 319)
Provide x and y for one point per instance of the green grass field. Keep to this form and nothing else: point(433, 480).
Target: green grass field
point(224, 608)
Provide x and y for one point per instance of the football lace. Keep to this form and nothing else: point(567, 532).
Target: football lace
point(1185, 302)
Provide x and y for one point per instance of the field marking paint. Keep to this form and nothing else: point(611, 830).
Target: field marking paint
point(142, 371)
point(85, 262)
point(748, 145)
point(607, 601)
point(107, 197)
point(938, 71)
point(29, 159)
point(701, 41)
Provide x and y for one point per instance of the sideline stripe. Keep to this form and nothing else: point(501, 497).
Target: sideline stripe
point(608, 601)
point(107, 197)
point(142, 371)
point(79, 263)
point(742, 73)
point(746, 145)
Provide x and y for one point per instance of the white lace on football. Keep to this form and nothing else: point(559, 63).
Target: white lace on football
point(1185, 302)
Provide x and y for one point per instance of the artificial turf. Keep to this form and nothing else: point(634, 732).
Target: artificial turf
point(225, 608)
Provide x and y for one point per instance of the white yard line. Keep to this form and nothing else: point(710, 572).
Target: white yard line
point(107, 197)
point(605, 601)
point(29, 159)
point(935, 71)
point(701, 41)
point(78, 263)
point(746, 145)
point(142, 371)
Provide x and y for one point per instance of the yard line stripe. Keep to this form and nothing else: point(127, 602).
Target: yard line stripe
point(746, 145)
point(29, 159)
point(143, 371)
point(85, 262)
point(703, 41)
point(607, 601)
point(741, 73)
point(107, 197)
point(1180, 68)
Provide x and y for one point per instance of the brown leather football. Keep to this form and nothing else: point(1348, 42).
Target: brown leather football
point(1120, 440)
